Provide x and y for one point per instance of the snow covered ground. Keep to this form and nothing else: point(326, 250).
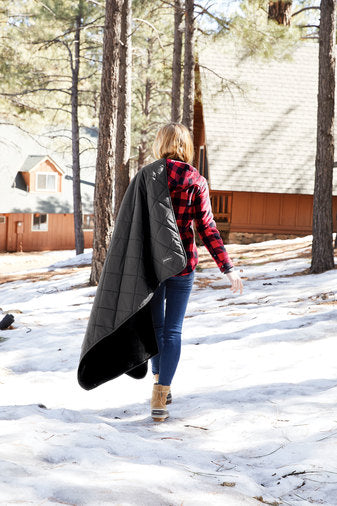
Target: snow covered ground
point(254, 412)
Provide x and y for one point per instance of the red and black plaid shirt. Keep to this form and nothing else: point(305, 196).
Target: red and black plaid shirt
point(190, 199)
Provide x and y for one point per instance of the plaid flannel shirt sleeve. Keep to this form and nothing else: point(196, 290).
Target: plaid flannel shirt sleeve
point(208, 231)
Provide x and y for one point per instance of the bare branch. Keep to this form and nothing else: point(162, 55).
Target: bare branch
point(314, 37)
point(222, 78)
point(47, 8)
point(305, 9)
point(308, 26)
point(167, 3)
point(204, 10)
point(56, 109)
point(88, 76)
point(101, 4)
point(153, 28)
point(57, 38)
point(26, 92)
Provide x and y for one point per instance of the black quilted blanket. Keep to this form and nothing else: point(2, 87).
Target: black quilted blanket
point(145, 249)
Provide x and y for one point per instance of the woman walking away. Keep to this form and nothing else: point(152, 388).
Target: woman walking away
point(148, 272)
point(190, 200)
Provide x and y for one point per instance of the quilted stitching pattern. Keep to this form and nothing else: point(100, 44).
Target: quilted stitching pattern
point(145, 250)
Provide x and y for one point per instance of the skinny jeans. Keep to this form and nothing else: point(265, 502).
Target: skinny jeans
point(168, 306)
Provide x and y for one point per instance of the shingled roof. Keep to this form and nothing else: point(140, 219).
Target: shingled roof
point(33, 160)
point(20, 151)
point(261, 129)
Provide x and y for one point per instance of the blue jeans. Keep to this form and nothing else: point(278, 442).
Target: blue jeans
point(168, 322)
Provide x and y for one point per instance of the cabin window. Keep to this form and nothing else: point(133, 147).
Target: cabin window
point(40, 222)
point(2, 219)
point(45, 182)
point(88, 222)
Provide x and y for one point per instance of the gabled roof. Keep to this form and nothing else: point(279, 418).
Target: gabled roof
point(16, 147)
point(33, 160)
point(261, 129)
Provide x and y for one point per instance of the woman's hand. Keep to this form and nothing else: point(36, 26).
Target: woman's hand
point(236, 281)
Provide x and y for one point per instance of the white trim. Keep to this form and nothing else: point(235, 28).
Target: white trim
point(38, 229)
point(53, 163)
point(37, 174)
point(87, 229)
point(2, 219)
point(47, 157)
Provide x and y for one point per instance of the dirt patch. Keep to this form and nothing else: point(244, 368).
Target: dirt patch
point(16, 261)
point(204, 282)
point(246, 238)
point(241, 254)
point(38, 276)
point(259, 254)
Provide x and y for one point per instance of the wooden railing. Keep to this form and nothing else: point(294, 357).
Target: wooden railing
point(221, 206)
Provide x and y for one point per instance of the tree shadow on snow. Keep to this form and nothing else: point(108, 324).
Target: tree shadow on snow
point(296, 324)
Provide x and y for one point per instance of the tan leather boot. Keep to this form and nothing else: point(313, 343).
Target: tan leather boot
point(169, 395)
point(158, 402)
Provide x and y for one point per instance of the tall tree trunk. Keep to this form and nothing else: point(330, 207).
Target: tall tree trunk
point(146, 105)
point(176, 63)
point(142, 149)
point(122, 172)
point(105, 163)
point(75, 135)
point(189, 66)
point(322, 246)
point(280, 11)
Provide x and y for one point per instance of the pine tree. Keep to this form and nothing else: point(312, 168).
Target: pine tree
point(152, 75)
point(52, 41)
point(280, 11)
point(176, 61)
point(189, 63)
point(322, 245)
point(106, 153)
point(122, 170)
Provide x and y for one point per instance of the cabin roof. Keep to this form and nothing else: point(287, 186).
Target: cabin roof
point(33, 161)
point(21, 152)
point(260, 120)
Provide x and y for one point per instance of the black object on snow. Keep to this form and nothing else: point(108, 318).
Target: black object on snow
point(6, 321)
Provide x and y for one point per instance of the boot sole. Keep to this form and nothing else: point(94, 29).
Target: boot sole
point(159, 415)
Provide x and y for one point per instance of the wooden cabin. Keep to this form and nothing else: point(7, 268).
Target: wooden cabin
point(36, 210)
point(255, 138)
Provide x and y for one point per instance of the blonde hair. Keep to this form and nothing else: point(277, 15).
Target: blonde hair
point(174, 141)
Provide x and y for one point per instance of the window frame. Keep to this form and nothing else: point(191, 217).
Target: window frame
point(39, 229)
point(45, 174)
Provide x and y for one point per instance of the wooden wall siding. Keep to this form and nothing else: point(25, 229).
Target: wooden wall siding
point(3, 234)
point(60, 234)
point(266, 212)
point(45, 166)
point(273, 213)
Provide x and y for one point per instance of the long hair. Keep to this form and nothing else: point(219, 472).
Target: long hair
point(174, 141)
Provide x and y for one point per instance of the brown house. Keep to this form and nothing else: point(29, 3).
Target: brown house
point(255, 138)
point(36, 211)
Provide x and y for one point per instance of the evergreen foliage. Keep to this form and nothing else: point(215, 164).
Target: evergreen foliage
point(37, 45)
point(37, 62)
point(151, 67)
